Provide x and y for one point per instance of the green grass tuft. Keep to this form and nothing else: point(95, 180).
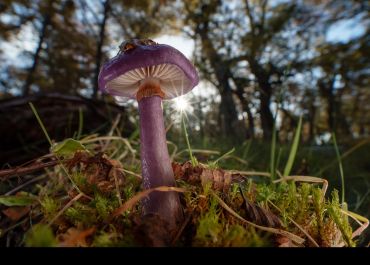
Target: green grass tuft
point(293, 149)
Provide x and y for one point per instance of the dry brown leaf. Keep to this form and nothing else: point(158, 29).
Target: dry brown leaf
point(259, 215)
point(75, 237)
point(99, 170)
point(131, 202)
point(283, 241)
point(16, 213)
point(220, 179)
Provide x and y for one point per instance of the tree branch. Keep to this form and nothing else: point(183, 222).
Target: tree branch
point(19, 171)
point(251, 20)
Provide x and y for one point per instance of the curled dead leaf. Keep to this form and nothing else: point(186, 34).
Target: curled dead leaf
point(283, 241)
point(104, 173)
point(220, 179)
point(75, 237)
point(16, 213)
point(259, 215)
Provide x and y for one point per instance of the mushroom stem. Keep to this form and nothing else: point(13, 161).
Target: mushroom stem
point(155, 161)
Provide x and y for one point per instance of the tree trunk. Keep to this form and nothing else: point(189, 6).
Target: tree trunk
point(99, 52)
point(251, 126)
point(245, 106)
point(228, 116)
point(340, 120)
point(36, 56)
point(331, 109)
point(267, 120)
point(311, 120)
point(326, 88)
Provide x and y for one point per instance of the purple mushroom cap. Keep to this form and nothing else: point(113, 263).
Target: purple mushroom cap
point(123, 74)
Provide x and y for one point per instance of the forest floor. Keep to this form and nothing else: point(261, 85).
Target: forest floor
point(87, 193)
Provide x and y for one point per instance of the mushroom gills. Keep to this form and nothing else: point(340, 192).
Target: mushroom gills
point(171, 78)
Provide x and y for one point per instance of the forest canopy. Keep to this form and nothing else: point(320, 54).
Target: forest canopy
point(262, 60)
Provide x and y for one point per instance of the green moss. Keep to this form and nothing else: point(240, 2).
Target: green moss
point(303, 212)
point(209, 227)
point(265, 192)
point(104, 239)
point(49, 207)
point(40, 235)
point(128, 192)
point(239, 236)
point(334, 210)
point(79, 179)
point(103, 206)
point(80, 214)
point(319, 208)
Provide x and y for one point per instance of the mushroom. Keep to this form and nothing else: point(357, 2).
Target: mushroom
point(151, 72)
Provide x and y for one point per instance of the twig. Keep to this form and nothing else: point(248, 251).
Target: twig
point(131, 173)
point(65, 208)
point(131, 202)
point(289, 235)
point(249, 173)
point(309, 179)
point(114, 126)
point(18, 171)
point(184, 224)
point(109, 138)
point(5, 231)
point(357, 218)
point(117, 186)
point(24, 185)
point(297, 225)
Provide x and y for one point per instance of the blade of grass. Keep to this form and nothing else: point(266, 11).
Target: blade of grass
point(247, 146)
point(135, 134)
point(223, 156)
point(343, 156)
point(80, 123)
point(201, 151)
point(40, 122)
point(340, 166)
point(278, 158)
point(273, 151)
point(293, 149)
point(193, 160)
point(51, 144)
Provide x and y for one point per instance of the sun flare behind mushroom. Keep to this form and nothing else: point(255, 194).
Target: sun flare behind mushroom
point(181, 104)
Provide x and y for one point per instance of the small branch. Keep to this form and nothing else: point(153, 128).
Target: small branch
point(251, 20)
point(25, 184)
point(69, 204)
point(19, 171)
point(184, 224)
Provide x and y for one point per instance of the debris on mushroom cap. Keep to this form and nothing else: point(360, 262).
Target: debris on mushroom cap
point(139, 60)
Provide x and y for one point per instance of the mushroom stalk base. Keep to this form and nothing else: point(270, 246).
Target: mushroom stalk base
point(155, 162)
